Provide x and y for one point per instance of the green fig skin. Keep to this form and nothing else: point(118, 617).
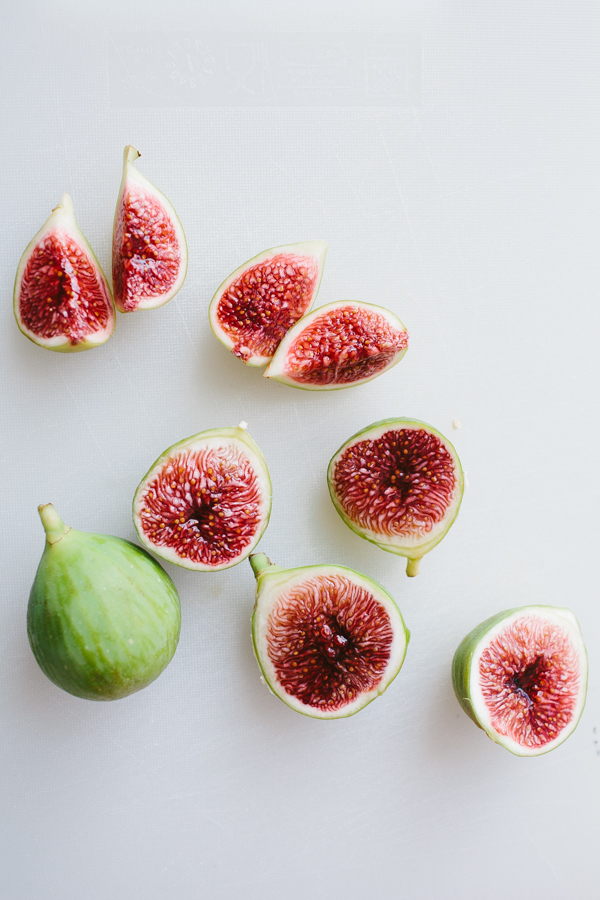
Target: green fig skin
point(463, 657)
point(104, 617)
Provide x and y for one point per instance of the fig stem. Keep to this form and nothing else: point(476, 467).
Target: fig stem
point(65, 204)
point(259, 562)
point(130, 154)
point(413, 567)
point(54, 526)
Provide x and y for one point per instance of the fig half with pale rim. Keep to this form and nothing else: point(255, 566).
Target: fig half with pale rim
point(338, 346)
point(522, 677)
point(205, 503)
point(150, 258)
point(327, 639)
point(257, 304)
point(61, 298)
point(399, 484)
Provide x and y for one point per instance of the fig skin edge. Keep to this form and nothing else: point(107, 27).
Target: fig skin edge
point(413, 559)
point(262, 568)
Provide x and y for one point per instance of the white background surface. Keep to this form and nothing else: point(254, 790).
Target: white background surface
point(472, 210)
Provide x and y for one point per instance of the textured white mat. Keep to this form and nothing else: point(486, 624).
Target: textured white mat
point(470, 207)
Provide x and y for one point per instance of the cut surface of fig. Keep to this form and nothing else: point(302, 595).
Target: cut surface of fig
point(257, 305)
point(61, 298)
point(205, 503)
point(339, 345)
point(149, 247)
point(397, 483)
point(522, 676)
point(103, 618)
point(328, 640)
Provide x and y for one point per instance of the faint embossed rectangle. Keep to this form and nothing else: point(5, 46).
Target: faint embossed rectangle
point(177, 69)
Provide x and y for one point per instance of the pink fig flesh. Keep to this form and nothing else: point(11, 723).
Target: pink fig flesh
point(61, 299)
point(146, 250)
point(149, 246)
point(260, 307)
point(401, 483)
point(521, 676)
point(210, 519)
point(256, 305)
point(206, 501)
point(61, 294)
point(530, 681)
point(329, 641)
point(339, 345)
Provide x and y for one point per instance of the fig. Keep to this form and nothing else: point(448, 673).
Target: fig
point(257, 305)
point(522, 676)
point(103, 618)
point(149, 262)
point(205, 503)
point(61, 298)
point(397, 483)
point(328, 640)
point(339, 345)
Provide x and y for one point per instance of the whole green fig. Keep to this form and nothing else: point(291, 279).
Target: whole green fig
point(104, 617)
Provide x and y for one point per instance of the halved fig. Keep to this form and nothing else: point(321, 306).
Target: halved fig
point(398, 483)
point(522, 677)
point(257, 305)
point(339, 345)
point(327, 639)
point(149, 247)
point(205, 503)
point(61, 298)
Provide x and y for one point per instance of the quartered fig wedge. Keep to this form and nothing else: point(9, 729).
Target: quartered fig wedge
point(327, 639)
point(103, 618)
point(522, 676)
point(61, 298)
point(149, 247)
point(257, 305)
point(338, 346)
point(399, 484)
point(205, 503)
